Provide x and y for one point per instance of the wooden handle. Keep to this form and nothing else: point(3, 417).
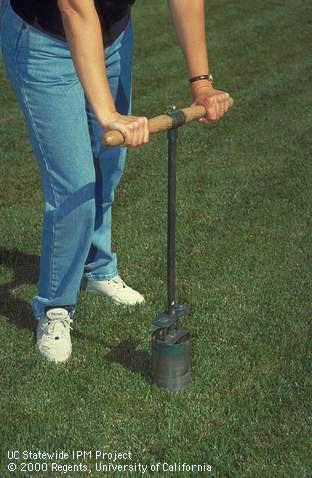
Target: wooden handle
point(157, 124)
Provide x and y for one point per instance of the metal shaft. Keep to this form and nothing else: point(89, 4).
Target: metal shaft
point(172, 136)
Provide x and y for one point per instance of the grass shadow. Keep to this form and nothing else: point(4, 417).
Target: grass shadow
point(25, 271)
point(124, 353)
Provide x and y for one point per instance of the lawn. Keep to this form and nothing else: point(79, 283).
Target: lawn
point(244, 250)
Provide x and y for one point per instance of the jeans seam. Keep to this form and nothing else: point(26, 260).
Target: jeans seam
point(93, 139)
point(100, 277)
point(90, 275)
point(52, 276)
point(20, 33)
point(23, 92)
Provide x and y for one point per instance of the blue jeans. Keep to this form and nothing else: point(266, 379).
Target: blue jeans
point(78, 175)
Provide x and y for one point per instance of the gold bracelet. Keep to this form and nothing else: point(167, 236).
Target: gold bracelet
point(201, 77)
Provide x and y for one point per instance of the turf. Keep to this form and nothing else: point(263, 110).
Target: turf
point(243, 264)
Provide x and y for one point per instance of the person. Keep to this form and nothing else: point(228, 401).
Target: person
point(69, 63)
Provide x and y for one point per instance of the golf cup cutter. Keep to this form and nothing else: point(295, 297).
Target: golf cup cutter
point(170, 343)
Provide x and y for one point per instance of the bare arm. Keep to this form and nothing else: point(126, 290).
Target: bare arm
point(84, 35)
point(189, 21)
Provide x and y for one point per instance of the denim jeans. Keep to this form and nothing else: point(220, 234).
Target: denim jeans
point(78, 175)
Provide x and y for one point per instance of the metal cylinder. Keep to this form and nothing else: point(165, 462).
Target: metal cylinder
point(171, 363)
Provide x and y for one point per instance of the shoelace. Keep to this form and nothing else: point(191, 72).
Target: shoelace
point(55, 326)
point(118, 280)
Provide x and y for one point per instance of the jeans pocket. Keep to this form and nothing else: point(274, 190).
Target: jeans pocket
point(44, 63)
point(42, 74)
point(12, 28)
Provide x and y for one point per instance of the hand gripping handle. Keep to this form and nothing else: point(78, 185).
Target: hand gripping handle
point(160, 123)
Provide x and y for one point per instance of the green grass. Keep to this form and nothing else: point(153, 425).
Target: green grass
point(244, 254)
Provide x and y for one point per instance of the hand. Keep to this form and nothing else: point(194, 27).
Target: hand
point(216, 102)
point(133, 128)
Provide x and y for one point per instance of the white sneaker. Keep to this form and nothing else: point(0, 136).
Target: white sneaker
point(53, 335)
point(114, 288)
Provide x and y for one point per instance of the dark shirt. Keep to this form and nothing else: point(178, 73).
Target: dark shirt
point(46, 16)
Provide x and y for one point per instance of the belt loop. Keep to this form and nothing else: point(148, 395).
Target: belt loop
point(23, 27)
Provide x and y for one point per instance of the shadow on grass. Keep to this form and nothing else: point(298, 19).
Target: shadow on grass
point(124, 353)
point(25, 268)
